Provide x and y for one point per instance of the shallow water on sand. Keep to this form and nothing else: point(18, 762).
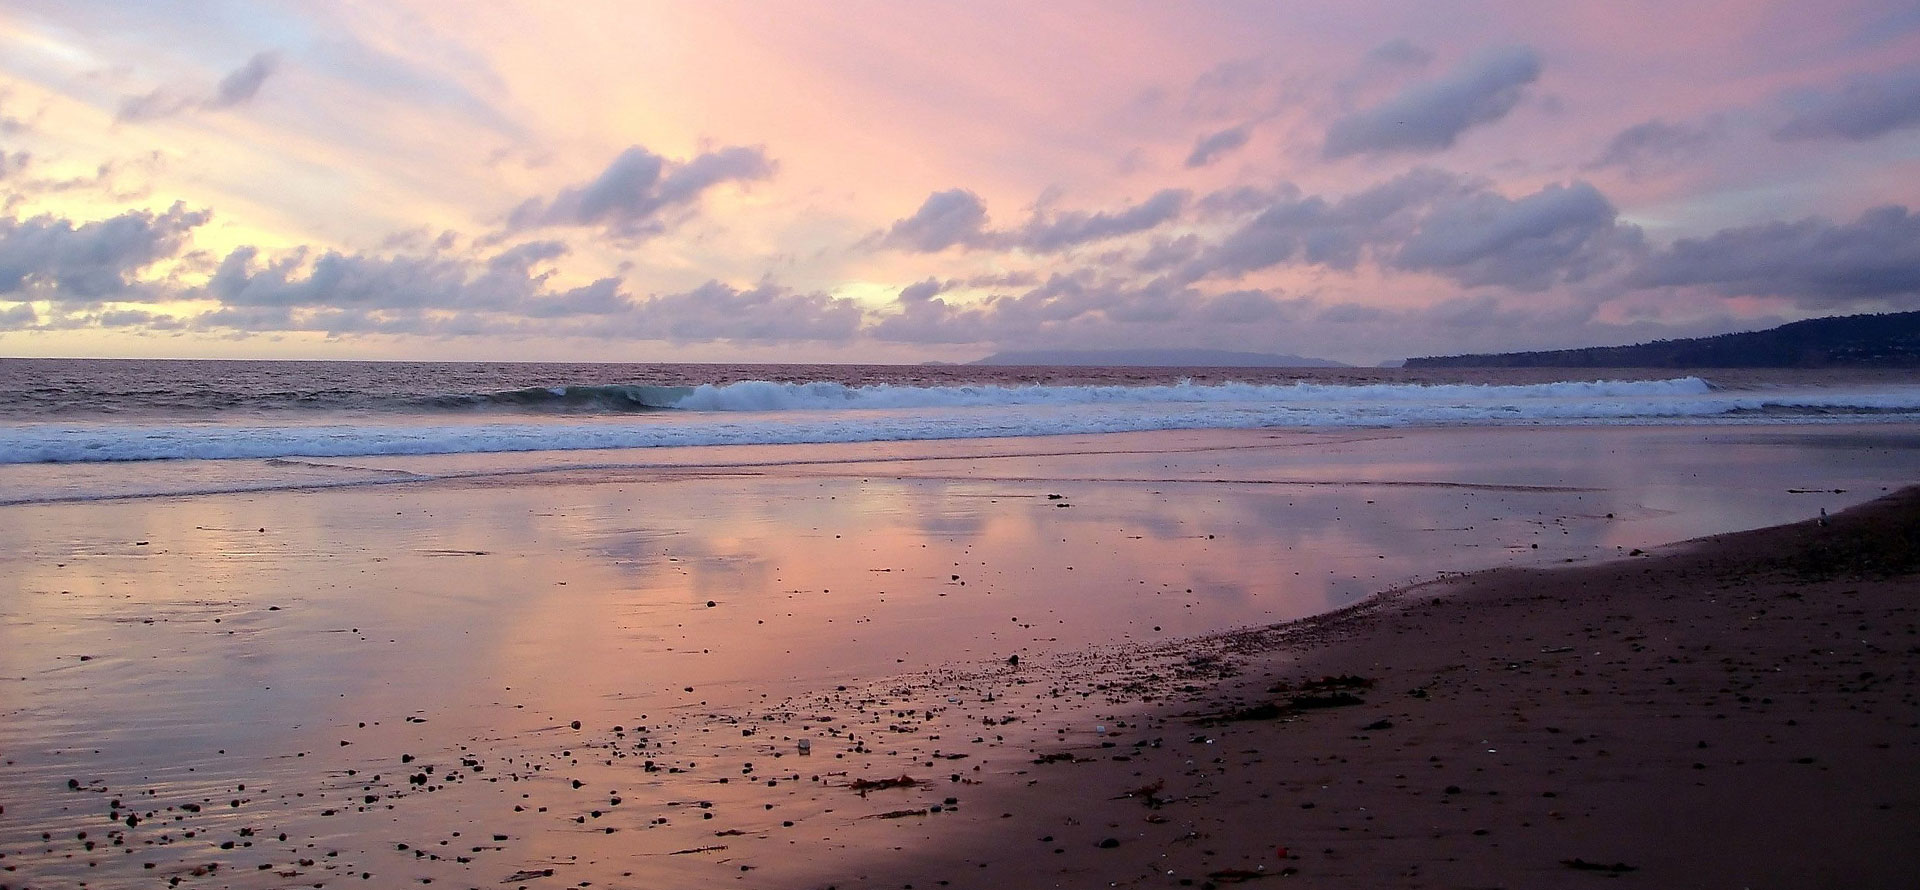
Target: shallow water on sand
point(186, 679)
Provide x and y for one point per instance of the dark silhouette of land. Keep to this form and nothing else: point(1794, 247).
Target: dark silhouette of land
point(1854, 341)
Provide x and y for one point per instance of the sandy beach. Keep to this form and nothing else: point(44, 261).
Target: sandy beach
point(1067, 662)
point(1732, 712)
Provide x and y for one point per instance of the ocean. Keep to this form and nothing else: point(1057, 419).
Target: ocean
point(74, 429)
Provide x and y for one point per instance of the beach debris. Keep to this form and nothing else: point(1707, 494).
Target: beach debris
point(1148, 794)
point(1013, 660)
point(1328, 684)
point(1057, 757)
point(1235, 875)
point(1277, 710)
point(806, 746)
point(897, 814)
point(865, 785)
point(1108, 843)
point(528, 875)
point(1618, 868)
point(710, 849)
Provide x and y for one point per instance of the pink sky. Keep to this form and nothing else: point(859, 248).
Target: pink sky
point(896, 182)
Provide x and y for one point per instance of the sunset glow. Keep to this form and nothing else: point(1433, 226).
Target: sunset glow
point(883, 182)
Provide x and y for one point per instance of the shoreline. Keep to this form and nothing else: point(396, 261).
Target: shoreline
point(1524, 727)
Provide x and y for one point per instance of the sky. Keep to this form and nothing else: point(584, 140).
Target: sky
point(903, 182)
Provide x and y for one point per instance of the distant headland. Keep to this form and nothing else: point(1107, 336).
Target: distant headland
point(1853, 341)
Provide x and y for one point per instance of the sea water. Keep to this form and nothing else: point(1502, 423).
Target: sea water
point(84, 428)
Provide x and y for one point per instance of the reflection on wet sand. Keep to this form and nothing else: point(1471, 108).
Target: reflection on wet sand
point(386, 681)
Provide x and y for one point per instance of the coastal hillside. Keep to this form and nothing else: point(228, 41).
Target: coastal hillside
point(1855, 341)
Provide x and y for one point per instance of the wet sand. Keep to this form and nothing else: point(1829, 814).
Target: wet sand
point(1740, 711)
point(554, 678)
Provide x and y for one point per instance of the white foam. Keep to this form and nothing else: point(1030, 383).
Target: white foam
point(760, 395)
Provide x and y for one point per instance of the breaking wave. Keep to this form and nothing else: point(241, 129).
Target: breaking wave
point(768, 413)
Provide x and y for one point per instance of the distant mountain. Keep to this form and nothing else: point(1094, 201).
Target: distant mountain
point(1156, 358)
point(1851, 341)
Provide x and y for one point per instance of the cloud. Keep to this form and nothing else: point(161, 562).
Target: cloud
point(1288, 226)
point(921, 291)
point(19, 318)
point(1075, 308)
point(1653, 143)
point(766, 313)
point(1425, 220)
point(1401, 52)
point(630, 197)
point(49, 257)
point(240, 86)
point(13, 163)
point(10, 125)
point(1557, 235)
point(1865, 108)
point(1430, 116)
point(237, 88)
point(509, 282)
point(1213, 146)
point(957, 217)
point(151, 106)
point(1049, 235)
point(1814, 261)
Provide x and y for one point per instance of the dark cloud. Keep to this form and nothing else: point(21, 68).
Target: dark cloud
point(1865, 108)
point(50, 257)
point(958, 217)
point(1213, 146)
point(1816, 262)
point(1430, 116)
point(1557, 235)
point(630, 198)
point(237, 88)
point(1652, 144)
point(13, 163)
point(241, 85)
point(955, 217)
